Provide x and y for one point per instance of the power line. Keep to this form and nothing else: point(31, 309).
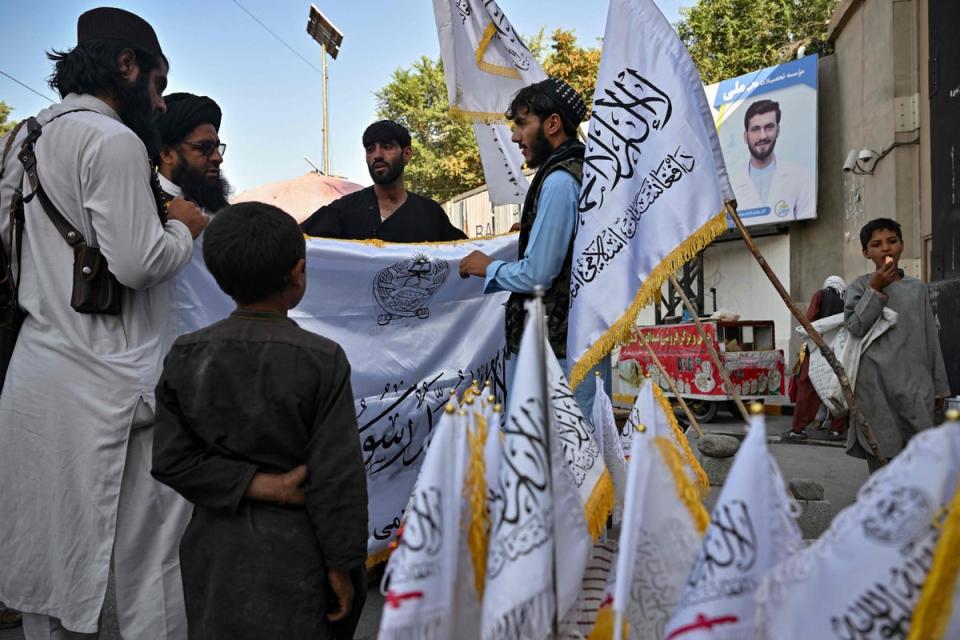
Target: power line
point(282, 41)
point(26, 86)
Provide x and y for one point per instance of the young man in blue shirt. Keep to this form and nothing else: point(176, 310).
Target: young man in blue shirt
point(545, 116)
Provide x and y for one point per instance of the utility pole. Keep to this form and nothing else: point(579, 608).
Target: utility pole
point(329, 38)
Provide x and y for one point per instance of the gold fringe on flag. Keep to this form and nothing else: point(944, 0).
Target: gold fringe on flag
point(377, 242)
point(932, 613)
point(682, 441)
point(377, 557)
point(485, 117)
point(603, 627)
point(620, 330)
point(600, 505)
point(478, 530)
point(686, 490)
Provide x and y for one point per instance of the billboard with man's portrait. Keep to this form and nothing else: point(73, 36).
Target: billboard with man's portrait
point(767, 124)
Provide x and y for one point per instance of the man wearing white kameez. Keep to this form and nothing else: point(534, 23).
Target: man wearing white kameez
point(76, 408)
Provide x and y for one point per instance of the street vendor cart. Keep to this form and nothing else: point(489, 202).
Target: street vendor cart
point(746, 348)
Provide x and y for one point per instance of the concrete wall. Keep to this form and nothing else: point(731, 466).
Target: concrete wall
point(878, 49)
point(743, 288)
point(876, 61)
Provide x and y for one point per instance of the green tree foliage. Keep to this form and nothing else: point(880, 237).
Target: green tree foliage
point(728, 38)
point(573, 64)
point(4, 114)
point(446, 159)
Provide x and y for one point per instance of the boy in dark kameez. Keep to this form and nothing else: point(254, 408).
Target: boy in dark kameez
point(902, 380)
point(256, 426)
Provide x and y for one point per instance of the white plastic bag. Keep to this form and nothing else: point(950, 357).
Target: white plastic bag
point(848, 350)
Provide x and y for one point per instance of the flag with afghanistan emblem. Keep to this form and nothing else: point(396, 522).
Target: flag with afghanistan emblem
point(887, 566)
point(654, 181)
point(663, 521)
point(401, 315)
point(485, 63)
point(540, 545)
point(429, 578)
point(752, 529)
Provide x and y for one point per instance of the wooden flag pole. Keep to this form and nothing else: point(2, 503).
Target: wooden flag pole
point(711, 349)
point(673, 387)
point(859, 419)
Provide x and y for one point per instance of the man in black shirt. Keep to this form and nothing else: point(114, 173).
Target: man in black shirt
point(386, 210)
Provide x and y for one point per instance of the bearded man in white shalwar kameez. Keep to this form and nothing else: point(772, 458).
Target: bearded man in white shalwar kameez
point(76, 408)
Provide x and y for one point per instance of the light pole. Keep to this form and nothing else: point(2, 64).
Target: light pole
point(329, 39)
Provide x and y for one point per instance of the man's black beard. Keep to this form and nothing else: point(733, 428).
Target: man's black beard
point(540, 151)
point(396, 170)
point(763, 156)
point(206, 192)
point(136, 111)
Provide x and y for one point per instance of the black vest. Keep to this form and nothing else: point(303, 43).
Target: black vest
point(556, 300)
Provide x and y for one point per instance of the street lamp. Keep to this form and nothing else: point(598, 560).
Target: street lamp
point(329, 39)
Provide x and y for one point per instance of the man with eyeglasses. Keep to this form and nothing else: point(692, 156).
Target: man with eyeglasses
point(189, 161)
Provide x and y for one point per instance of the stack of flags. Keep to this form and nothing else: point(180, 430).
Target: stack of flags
point(503, 536)
point(496, 541)
point(494, 506)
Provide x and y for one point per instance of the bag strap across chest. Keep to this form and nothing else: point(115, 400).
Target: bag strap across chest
point(70, 234)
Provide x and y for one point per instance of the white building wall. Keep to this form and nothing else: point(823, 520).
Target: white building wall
point(473, 213)
point(743, 288)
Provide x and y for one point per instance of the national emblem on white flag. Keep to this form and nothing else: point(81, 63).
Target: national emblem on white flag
point(752, 529)
point(539, 529)
point(663, 521)
point(401, 317)
point(427, 577)
point(863, 577)
point(485, 63)
point(654, 182)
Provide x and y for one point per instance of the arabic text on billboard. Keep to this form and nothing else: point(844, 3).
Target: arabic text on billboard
point(767, 123)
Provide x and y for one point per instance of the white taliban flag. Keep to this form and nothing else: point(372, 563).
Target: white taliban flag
point(864, 576)
point(654, 181)
point(663, 521)
point(608, 439)
point(751, 531)
point(430, 579)
point(485, 63)
point(539, 531)
point(581, 452)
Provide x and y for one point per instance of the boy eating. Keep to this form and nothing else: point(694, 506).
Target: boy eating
point(902, 380)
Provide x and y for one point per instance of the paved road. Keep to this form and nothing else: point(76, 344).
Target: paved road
point(826, 463)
